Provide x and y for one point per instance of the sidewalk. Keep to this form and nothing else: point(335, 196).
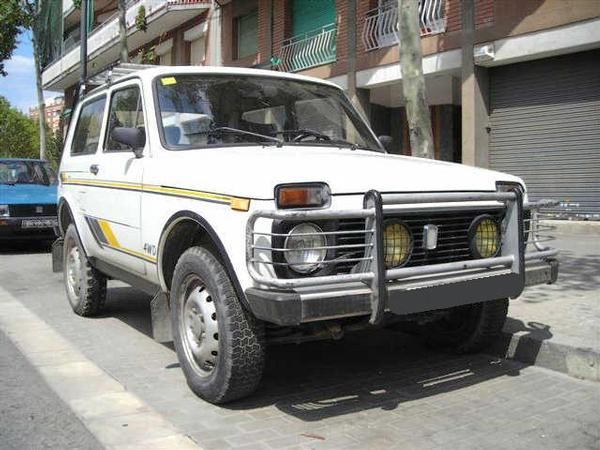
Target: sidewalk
point(558, 326)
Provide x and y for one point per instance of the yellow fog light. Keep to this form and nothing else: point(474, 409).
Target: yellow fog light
point(397, 243)
point(485, 237)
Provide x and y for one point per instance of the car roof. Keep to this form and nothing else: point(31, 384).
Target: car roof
point(149, 73)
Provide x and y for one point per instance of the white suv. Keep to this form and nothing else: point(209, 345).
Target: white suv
point(259, 206)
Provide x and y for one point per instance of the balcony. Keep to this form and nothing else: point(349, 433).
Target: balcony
point(307, 50)
point(161, 16)
point(381, 24)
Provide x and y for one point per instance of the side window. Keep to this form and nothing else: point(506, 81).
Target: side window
point(125, 111)
point(87, 131)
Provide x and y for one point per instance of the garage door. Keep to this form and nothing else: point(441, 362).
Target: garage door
point(545, 128)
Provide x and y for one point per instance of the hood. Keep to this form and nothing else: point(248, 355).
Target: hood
point(27, 194)
point(253, 172)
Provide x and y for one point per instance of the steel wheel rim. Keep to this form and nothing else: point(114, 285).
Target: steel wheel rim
point(199, 326)
point(73, 272)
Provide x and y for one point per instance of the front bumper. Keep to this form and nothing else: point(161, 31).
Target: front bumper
point(289, 308)
point(374, 290)
point(28, 228)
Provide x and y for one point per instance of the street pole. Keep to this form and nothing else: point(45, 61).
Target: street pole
point(83, 48)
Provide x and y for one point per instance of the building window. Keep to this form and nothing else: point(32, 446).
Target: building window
point(246, 36)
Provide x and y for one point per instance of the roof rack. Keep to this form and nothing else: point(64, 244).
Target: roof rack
point(116, 72)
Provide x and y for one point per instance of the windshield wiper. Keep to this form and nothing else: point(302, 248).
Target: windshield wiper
point(279, 142)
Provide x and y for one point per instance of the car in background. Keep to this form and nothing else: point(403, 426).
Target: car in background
point(27, 199)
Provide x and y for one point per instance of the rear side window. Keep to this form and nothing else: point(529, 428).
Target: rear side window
point(87, 131)
point(125, 111)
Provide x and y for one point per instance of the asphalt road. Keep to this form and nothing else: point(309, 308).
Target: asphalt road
point(31, 415)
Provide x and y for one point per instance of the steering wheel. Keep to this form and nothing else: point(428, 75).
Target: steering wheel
point(309, 133)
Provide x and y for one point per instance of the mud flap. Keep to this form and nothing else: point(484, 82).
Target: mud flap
point(57, 255)
point(161, 318)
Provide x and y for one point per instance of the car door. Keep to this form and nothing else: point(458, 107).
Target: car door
point(78, 164)
point(113, 211)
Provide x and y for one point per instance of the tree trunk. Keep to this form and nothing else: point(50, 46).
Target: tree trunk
point(124, 51)
point(40, 92)
point(413, 81)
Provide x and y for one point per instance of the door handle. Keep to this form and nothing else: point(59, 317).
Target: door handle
point(94, 168)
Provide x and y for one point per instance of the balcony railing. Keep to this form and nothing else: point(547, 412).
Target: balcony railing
point(381, 24)
point(311, 49)
point(104, 31)
point(59, 71)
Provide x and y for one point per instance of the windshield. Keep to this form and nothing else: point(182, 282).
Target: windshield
point(26, 172)
point(215, 110)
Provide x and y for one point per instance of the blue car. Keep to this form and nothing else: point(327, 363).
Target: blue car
point(27, 199)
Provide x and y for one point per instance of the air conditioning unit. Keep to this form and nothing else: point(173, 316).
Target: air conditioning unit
point(483, 53)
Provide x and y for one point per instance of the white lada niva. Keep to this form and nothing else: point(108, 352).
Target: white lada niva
point(258, 206)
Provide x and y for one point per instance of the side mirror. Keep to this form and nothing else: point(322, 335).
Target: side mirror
point(387, 142)
point(134, 138)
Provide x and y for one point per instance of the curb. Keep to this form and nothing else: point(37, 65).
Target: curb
point(582, 363)
point(115, 416)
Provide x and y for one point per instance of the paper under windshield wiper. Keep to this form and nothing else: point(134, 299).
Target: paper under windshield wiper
point(279, 142)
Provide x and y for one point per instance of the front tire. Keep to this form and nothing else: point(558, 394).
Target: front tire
point(468, 328)
point(220, 345)
point(85, 285)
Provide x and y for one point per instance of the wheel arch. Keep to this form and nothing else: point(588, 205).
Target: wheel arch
point(65, 215)
point(65, 218)
point(194, 230)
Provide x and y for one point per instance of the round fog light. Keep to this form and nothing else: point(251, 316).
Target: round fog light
point(485, 237)
point(304, 247)
point(397, 243)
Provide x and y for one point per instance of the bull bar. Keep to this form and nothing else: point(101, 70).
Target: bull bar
point(373, 289)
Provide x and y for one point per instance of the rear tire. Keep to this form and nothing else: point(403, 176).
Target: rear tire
point(468, 328)
point(85, 285)
point(220, 345)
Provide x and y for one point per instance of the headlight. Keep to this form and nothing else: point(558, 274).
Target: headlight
point(305, 248)
point(397, 243)
point(485, 237)
point(4, 211)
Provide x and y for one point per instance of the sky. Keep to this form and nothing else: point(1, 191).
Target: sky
point(19, 86)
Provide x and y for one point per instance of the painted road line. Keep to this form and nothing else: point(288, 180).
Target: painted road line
point(117, 418)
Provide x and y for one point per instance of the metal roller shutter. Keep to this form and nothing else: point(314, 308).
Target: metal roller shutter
point(545, 128)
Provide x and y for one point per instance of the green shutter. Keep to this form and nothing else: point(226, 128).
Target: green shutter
point(90, 15)
point(247, 38)
point(309, 15)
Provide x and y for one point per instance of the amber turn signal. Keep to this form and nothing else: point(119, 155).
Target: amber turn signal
point(309, 195)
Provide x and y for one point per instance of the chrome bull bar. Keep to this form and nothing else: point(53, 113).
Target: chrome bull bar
point(371, 268)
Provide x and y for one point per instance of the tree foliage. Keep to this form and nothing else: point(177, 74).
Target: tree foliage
point(19, 135)
point(13, 19)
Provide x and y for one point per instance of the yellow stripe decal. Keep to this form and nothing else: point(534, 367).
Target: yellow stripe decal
point(236, 203)
point(134, 253)
point(108, 233)
point(113, 243)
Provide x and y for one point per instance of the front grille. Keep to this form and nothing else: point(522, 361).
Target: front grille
point(32, 210)
point(453, 236)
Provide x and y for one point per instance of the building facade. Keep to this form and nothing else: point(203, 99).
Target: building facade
point(169, 32)
point(513, 85)
point(54, 110)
